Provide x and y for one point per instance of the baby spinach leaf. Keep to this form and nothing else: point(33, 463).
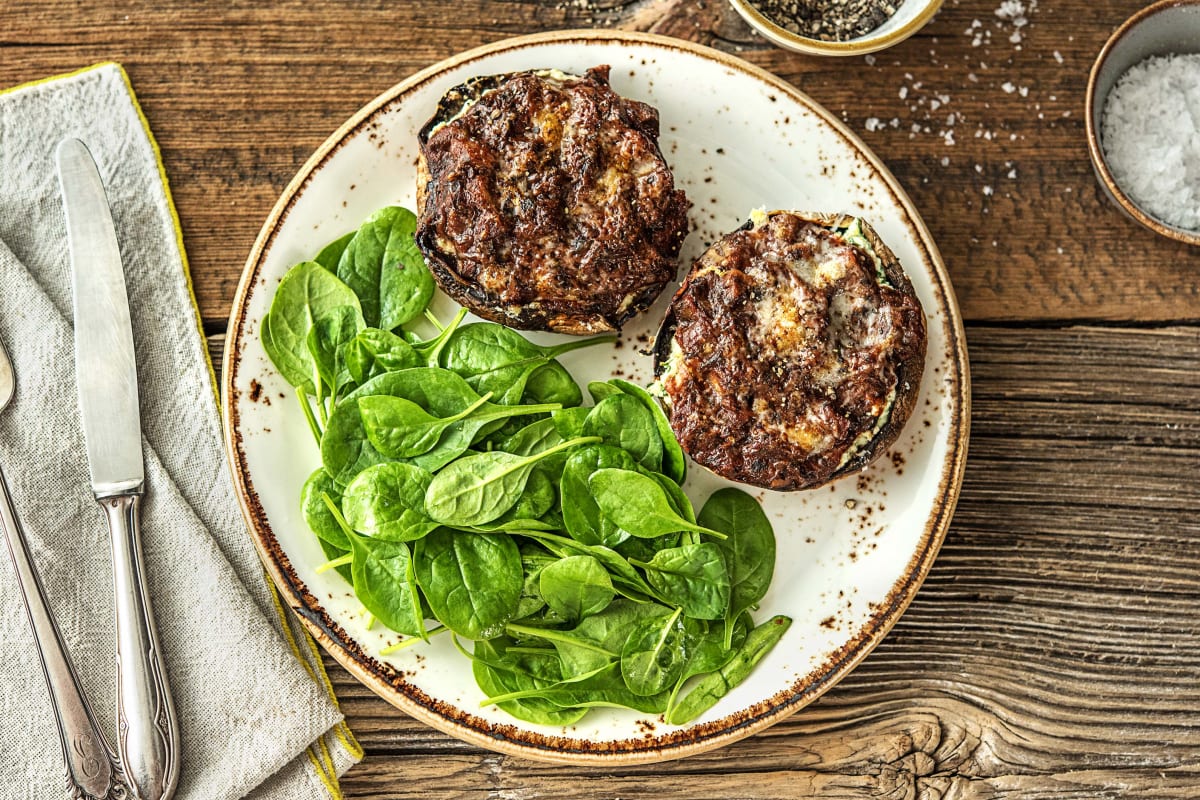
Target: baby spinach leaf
point(533, 438)
point(693, 577)
point(384, 268)
point(644, 549)
point(387, 501)
point(602, 390)
point(479, 488)
point(498, 672)
point(331, 253)
point(538, 498)
point(318, 516)
point(597, 640)
point(674, 464)
point(472, 581)
point(493, 358)
point(712, 687)
point(569, 421)
point(749, 550)
point(373, 352)
point(639, 504)
point(620, 570)
point(653, 657)
point(575, 587)
point(604, 688)
point(327, 337)
point(430, 350)
point(400, 428)
point(551, 383)
point(679, 500)
point(346, 450)
point(384, 583)
point(622, 421)
point(581, 515)
point(307, 292)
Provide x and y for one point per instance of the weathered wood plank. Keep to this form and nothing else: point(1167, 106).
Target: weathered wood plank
point(241, 93)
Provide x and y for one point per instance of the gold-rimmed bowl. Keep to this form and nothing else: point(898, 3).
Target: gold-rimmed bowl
point(1164, 28)
point(909, 18)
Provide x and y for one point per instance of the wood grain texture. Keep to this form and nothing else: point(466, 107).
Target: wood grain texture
point(1052, 652)
point(240, 93)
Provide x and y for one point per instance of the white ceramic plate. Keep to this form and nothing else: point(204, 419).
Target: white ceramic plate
point(850, 556)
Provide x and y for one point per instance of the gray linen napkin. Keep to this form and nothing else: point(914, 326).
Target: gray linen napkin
point(255, 719)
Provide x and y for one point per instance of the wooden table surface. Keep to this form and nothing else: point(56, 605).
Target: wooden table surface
point(1054, 650)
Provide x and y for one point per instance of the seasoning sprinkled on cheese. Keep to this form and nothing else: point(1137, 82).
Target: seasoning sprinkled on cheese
point(1151, 137)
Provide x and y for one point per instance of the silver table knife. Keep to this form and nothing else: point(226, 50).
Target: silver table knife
point(106, 373)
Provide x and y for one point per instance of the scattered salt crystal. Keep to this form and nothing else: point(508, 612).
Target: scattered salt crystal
point(1058, 57)
point(1012, 174)
point(1151, 137)
point(979, 168)
point(1023, 91)
point(1010, 9)
point(934, 105)
point(972, 77)
point(950, 119)
point(870, 59)
point(895, 123)
point(1008, 87)
point(945, 161)
point(903, 92)
point(873, 124)
point(987, 191)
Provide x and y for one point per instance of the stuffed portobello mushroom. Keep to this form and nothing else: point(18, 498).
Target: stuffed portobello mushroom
point(792, 353)
point(545, 203)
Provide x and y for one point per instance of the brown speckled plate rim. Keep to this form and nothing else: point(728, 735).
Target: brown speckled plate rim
point(390, 684)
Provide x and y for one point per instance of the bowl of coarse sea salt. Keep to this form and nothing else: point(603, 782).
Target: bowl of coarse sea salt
point(1143, 118)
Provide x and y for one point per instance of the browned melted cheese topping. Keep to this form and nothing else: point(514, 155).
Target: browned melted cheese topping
point(786, 353)
point(550, 198)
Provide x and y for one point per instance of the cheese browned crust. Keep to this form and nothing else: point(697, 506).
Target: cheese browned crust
point(792, 354)
point(545, 203)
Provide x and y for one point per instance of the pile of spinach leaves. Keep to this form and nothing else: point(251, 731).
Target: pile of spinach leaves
point(464, 483)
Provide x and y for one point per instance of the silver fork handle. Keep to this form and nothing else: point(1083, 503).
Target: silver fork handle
point(147, 740)
point(91, 772)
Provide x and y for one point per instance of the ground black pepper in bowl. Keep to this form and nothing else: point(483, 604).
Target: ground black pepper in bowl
point(828, 20)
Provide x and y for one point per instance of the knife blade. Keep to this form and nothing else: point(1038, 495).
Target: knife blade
point(106, 379)
point(106, 372)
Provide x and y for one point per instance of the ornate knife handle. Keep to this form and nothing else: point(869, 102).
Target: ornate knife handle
point(91, 773)
point(147, 740)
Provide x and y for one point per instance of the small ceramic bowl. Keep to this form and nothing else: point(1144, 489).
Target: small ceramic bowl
point(1169, 26)
point(909, 18)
